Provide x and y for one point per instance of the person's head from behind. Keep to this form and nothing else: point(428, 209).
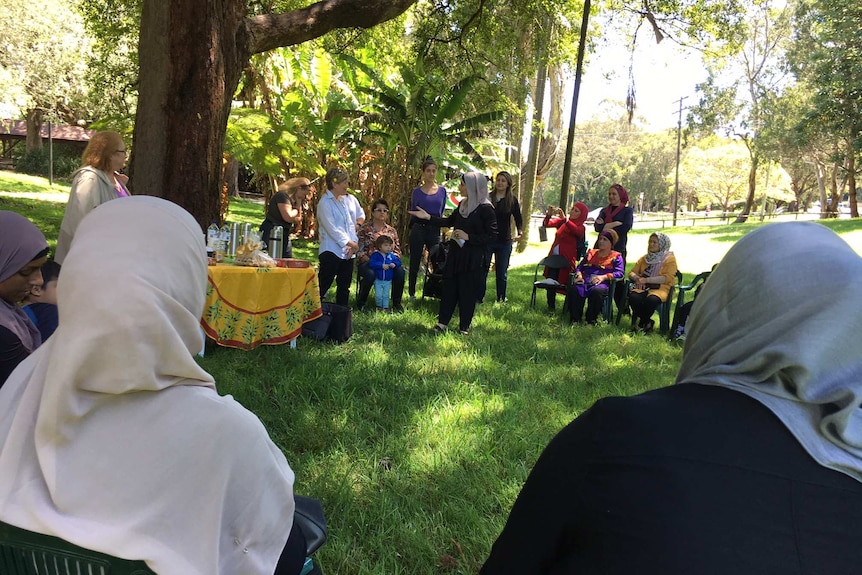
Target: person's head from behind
point(787, 338)
point(150, 293)
point(23, 250)
point(384, 244)
point(429, 170)
point(47, 292)
point(105, 151)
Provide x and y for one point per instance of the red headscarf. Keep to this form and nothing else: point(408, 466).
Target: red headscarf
point(611, 211)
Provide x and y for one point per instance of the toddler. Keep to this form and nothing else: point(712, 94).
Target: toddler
point(383, 262)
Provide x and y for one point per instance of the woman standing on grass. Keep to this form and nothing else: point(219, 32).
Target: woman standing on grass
point(475, 225)
point(617, 216)
point(285, 210)
point(568, 242)
point(431, 198)
point(338, 241)
point(23, 250)
point(751, 463)
point(653, 276)
point(506, 205)
point(96, 182)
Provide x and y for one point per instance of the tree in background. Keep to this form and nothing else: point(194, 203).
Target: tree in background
point(43, 47)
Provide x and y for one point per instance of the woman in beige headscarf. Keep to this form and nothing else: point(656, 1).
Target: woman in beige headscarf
point(96, 182)
point(111, 435)
point(475, 226)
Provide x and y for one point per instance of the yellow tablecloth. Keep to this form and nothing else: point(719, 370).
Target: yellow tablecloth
point(247, 307)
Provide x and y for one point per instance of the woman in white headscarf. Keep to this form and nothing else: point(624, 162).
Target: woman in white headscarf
point(475, 226)
point(752, 464)
point(111, 435)
point(653, 276)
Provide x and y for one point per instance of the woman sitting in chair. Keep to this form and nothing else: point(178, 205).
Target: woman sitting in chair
point(592, 278)
point(567, 241)
point(652, 277)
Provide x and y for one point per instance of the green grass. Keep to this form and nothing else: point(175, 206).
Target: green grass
point(418, 445)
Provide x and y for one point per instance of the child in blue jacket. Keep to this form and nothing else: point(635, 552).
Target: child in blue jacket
point(383, 262)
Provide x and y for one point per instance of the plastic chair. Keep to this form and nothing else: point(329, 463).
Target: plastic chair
point(663, 308)
point(607, 302)
point(24, 552)
point(555, 263)
point(698, 280)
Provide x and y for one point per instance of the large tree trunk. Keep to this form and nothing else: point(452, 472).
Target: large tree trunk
point(34, 129)
point(191, 55)
point(752, 188)
point(851, 179)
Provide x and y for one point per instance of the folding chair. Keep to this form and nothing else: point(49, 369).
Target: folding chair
point(555, 263)
point(698, 280)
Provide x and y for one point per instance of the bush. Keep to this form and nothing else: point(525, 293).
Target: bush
point(35, 162)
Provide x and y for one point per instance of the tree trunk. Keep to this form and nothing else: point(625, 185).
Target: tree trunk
point(528, 174)
point(851, 179)
point(34, 129)
point(191, 55)
point(752, 188)
point(231, 177)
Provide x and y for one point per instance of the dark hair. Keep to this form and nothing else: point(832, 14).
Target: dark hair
point(428, 161)
point(379, 202)
point(335, 176)
point(382, 239)
point(50, 271)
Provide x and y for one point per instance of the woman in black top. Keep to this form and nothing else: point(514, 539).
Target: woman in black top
point(617, 216)
point(506, 205)
point(23, 250)
point(475, 226)
point(285, 210)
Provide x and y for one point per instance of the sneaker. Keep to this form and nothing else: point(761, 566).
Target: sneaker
point(680, 338)
point(679, 333)
point(464, 331)
point(439, 329)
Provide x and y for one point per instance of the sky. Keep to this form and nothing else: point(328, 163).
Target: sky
point(663, 72)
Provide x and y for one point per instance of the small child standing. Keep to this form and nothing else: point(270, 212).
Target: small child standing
point(383, 262)
point(41, 304)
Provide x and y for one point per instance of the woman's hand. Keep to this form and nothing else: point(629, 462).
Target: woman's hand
point(352, 247)
point(579, 279)
point(460, 235)
point(600, 221)
point(420, 213)
point(596, 279)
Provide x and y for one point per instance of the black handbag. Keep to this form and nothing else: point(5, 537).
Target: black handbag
point(308, 515)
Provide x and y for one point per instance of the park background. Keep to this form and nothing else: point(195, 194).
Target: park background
point(417, 445)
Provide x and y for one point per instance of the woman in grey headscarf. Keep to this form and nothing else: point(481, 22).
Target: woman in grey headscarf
point(752, 464)
point(23, 250)
point(475, 226)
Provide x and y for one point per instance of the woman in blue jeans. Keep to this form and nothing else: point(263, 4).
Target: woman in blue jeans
point(507, 207)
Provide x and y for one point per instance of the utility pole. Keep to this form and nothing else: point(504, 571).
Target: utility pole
point(567, 164)
point(674, 205)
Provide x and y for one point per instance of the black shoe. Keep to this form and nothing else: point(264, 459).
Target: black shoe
point(398, 308)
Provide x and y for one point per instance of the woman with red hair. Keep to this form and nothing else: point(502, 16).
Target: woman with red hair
point(568, 242)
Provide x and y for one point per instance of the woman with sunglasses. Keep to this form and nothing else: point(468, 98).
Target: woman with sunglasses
point(368, 234)
point(96, 182)
point(285, 210)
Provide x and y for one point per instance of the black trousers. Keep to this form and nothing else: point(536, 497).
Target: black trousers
point(366, 282)
point(643, 305)
point(421, 236)
point(461, 289)
point(333, 268)
point(594, 300)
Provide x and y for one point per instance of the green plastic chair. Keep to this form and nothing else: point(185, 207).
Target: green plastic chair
point(663, 308)
point(23, 552)
point(698, 280)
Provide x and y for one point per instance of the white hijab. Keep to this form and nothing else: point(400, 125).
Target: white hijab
point(113, 438)
point(477, 193)
point(779, 321)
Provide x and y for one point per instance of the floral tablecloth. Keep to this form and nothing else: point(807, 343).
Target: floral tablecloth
point(247, 307)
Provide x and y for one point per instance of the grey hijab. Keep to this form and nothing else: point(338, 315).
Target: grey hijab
point(779, 321)
point(477, 193)
point(20, 243)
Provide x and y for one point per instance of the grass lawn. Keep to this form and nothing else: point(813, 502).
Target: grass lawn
point(418, 445)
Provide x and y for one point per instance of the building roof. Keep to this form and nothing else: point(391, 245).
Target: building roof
point(18, 129)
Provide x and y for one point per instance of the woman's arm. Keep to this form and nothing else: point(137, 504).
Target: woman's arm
point(519, 219)
point(325, 221)
point(599, 225)
point(288, 212)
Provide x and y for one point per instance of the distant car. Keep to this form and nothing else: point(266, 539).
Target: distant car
point(591, 217)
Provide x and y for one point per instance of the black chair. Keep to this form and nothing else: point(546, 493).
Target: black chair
point(698, 280)
point(663, 308)
point(555, 263)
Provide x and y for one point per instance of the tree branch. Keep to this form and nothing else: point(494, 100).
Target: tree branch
point(269, 31)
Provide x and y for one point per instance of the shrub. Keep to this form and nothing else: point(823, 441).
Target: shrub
point(35, 162)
